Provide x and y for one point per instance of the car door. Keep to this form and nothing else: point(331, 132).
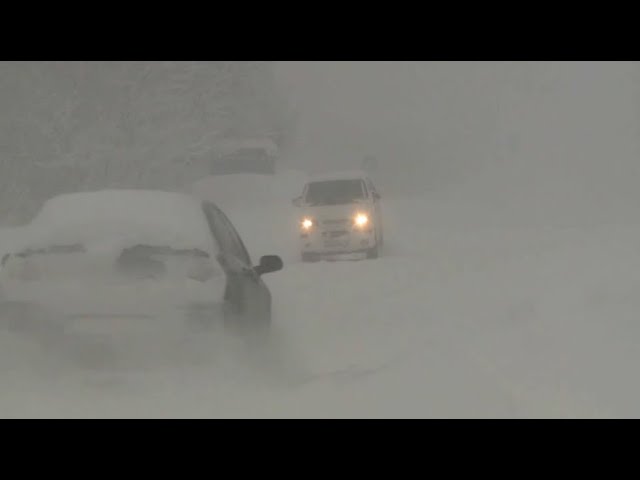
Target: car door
point(247, 297)
point(376, 206)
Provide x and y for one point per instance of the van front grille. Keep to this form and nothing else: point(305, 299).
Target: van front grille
point(335, 222)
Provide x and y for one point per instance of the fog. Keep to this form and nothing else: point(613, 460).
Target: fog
point(436, 124)
point(506, 285)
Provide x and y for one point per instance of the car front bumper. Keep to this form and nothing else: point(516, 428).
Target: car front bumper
point(326, 242)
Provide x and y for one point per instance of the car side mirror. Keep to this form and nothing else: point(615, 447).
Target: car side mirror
point(297, 202)
point(268, 264)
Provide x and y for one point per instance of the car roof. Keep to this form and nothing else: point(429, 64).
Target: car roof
point(122, 218)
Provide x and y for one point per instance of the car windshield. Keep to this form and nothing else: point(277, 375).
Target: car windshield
point(334, 192)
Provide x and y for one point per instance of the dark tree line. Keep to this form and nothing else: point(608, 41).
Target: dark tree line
point(67, 126)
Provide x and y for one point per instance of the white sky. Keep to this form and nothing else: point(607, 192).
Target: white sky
point(442, 120)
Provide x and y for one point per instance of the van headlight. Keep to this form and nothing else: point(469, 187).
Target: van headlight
point(306, 224)
point(361, 220)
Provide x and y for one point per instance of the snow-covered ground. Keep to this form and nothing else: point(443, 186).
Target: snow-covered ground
point(470, 312)
point(9, 239)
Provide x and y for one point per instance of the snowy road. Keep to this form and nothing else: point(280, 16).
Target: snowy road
point(457, 319)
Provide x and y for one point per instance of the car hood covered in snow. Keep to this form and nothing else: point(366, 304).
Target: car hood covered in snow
point(116, 219)
point(64, 282)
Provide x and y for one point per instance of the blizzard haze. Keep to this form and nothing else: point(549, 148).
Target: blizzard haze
point(439, 123)
point(507, 286)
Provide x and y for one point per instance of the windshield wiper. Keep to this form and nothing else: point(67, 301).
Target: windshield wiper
point(155, 250)
point(77, 248)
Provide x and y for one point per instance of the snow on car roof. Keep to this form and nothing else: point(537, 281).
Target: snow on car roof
point(115, 219)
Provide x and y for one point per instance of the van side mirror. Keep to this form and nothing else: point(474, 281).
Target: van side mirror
point(268, 264)
point(297, 202)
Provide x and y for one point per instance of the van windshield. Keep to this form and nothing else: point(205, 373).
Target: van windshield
point(334, 192)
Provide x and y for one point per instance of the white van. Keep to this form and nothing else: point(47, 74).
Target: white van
point(340, 214)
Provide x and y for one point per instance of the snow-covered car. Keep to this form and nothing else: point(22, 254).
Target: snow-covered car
point(256, 155)
point(128, 262)
point(340, 214)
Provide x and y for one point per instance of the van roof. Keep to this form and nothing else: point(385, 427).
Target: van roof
point(343, 175)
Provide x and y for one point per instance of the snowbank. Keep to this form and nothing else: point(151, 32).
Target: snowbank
point(11, 239)
point(246, 190)
point(456, 319)
point(259, 206)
